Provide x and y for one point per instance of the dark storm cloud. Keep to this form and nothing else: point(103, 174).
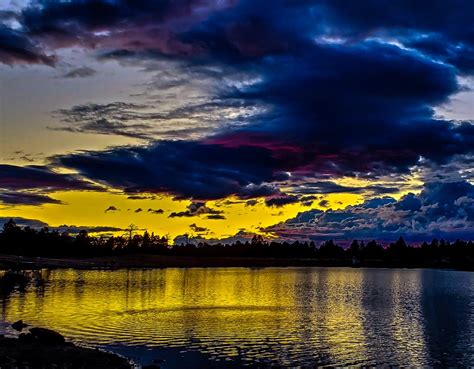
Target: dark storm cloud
point(7, 15)
point(248, 31)
point(281, 200)
point(374, 102)
point(308, 200)
point(26, 198)
point(17, 48)
point(113, 25)
point(328, 187)
point(438, 47)
point(238, 31)
point(40, 177)
point(261, 190)
point(442, 209)
point(183, 169)
point(30, 185)
point(424, 14)
point(96, 15)
point(183, 29)
point(451, 18)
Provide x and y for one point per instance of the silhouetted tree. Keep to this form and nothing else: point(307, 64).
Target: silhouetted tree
point(15, 240)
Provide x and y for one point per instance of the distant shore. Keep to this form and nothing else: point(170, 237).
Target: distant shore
point(146, 261)
point(141, 261)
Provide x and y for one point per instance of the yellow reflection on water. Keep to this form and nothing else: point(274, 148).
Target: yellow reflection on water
point(282, 315)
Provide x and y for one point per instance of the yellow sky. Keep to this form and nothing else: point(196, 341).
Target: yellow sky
point(88, 208)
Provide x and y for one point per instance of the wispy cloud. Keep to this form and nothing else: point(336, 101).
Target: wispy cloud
point(81, 72)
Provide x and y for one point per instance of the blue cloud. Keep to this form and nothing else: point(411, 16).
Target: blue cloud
point(442, 210)
point(17, 48)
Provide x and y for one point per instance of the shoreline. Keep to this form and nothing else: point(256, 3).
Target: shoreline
point(45, 348)
point(144, 261)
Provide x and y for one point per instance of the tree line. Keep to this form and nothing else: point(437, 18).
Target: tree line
point(26, 241)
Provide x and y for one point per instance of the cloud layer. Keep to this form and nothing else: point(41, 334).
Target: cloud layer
point(441, 210)
point(29, 185)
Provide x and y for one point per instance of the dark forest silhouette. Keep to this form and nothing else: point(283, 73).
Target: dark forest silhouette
point(26, 241)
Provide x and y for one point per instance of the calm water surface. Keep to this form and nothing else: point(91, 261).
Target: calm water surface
point(260, 317)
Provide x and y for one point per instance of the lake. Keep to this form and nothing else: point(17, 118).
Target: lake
point(227, 317)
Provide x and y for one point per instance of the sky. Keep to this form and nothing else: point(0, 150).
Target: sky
point(218, 119)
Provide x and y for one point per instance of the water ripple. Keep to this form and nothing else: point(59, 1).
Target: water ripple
point(275, 316)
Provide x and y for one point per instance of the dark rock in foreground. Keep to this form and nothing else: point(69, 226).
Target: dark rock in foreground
point(44, 349)
point(47, 336)
point(19, 325)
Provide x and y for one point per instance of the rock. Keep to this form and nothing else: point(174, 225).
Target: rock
point(26, 338)
point(19, 325)
point(47, 336)
point(21, 353)
point(152, 366)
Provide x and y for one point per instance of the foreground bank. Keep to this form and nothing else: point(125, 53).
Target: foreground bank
point(44, 348)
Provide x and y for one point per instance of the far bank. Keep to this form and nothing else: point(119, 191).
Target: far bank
point(137, 261)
